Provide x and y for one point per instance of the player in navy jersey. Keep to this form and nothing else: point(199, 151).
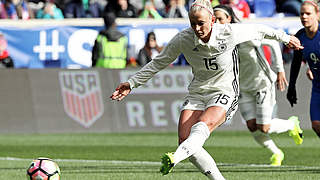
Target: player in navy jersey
point(310, 38)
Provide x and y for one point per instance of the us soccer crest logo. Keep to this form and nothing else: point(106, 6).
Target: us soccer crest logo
point(81, 95)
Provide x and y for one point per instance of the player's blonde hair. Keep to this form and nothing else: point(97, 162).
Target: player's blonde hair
point(198, 5)
point(313, 3)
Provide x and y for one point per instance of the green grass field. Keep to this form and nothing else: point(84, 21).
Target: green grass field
point(136, 156)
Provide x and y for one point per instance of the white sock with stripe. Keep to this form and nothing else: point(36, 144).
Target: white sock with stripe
point(280, 126)
point(198, 135)
point(265, 140)
point(206, 164)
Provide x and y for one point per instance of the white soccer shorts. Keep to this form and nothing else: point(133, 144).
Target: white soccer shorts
point(258, 105)
point(202, 102)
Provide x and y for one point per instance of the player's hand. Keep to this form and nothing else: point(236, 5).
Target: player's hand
point(292, 95)
point(294, 43)
point(282, 82)
point(309, 74)
point(121, 91)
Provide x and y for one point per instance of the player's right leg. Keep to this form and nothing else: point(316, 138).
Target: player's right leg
point(277, 158)
point(199, 133)
point(265, 140)
point(250, 109)
point(187, 119)
point(167, 163)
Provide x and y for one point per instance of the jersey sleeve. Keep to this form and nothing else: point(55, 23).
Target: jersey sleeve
point(295, 68)
point(275, 47)
point(295, 64)
point(247, 32)
point(161, 61)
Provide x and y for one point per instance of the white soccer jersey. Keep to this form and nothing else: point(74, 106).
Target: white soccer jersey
point(214, 64)
point(255, 71)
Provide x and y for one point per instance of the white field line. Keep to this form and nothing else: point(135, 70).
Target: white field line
point(156, 163)
point(85, 161)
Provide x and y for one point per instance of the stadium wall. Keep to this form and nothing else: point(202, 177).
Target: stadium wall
point(38, 99)
point(65, 100)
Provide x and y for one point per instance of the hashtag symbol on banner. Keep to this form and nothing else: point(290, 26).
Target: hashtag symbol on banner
point(54, 48)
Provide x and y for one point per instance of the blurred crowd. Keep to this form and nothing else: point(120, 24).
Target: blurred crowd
point(59, 9)
point(105, 56)
point(110, 48)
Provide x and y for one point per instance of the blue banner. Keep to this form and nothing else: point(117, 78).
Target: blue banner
point(70, 46)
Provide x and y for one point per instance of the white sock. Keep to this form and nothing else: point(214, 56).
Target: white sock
point(280, 126)
point(206, 164)
point(198, 135)
point(265, 140)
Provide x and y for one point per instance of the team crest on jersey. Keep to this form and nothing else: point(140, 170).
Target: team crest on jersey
point(222, 46)
point(81, 95)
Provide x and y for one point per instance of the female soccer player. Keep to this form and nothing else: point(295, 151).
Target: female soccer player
point(257, 90)
point(310, 38)
point(211, 51)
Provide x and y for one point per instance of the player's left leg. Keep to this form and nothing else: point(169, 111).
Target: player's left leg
point(206, 164)
point(292, 125)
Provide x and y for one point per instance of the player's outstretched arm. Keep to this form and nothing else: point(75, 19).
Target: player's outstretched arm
point(294, 43)
point(121, 91)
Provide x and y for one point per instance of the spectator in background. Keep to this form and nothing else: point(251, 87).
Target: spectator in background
point(49, 11)
point(240, 7)
point(3, 12)
point(177, 9)
point(60, 4)
point(82, 9)
point(121, 8)
point(18, 9)
point(288, 7)
point(110, 47)
point(36, 5)
point(5, 59)
point(149, 10)
point(150, 50)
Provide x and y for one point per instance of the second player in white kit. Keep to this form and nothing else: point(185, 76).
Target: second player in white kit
point(257, 89)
